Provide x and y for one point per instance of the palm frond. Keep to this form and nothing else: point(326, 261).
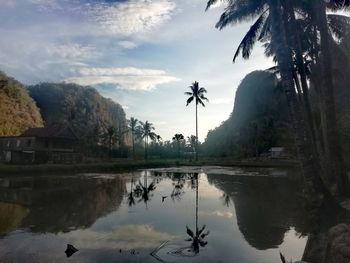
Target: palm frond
point(240, 10)
point(189, 93)
point(250, 38)
point(190, 99)
point(339, 25)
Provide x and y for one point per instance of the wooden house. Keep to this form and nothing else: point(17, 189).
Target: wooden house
point(56, 143)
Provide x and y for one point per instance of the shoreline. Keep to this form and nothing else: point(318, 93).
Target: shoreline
point(122, 165)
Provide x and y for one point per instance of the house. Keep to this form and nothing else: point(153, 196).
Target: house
point(278, 152)
point(56, 143)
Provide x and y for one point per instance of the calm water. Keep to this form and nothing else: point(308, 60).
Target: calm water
point(151, 216)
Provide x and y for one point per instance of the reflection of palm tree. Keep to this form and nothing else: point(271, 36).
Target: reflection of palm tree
point(226, 199)
point(143, 191)
point(131, 194)
point(197, 238)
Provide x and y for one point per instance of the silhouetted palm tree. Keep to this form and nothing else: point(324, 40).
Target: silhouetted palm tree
point(133, 123)
point(146, 132)
point(196, 94)
point(178, 138)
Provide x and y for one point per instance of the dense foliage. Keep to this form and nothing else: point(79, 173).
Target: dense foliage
point(18, 111)
point(258, 122)
point(94, 119)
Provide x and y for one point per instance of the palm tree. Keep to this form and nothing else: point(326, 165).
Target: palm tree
point(178, 138)
point(133, 124)
point(146, 132)
point(197, 94)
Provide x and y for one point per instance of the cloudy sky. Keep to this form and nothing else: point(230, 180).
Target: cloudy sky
point(141, 53)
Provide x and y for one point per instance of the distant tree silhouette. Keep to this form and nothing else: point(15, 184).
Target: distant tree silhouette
point(196, 94)
point(146, 132)
point(178, 137)
point(133, 125)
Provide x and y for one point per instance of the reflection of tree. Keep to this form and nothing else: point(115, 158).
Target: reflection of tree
point(143, 191)
point(131, 194)
point(195, 237)
point(266, 208)
point(60, 204)
point(226, 199)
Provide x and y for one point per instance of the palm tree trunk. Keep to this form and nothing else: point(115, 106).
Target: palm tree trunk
point(133, 144)
point(333, 151)
point(312, 180)
point(145, 148)
point(196, 130)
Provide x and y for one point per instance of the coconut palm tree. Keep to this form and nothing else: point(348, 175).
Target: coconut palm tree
point(196, 94)
point(146, 133)
point(178, 138)
point(133, 125)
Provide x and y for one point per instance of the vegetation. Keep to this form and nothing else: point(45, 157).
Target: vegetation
point(300, 36)
point(96, 120)
point(258, 122)
point(198, 95)
point(18, 111)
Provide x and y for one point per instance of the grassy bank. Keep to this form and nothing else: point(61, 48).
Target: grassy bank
point(121, 165)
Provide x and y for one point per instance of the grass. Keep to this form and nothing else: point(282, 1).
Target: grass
point(121, 165)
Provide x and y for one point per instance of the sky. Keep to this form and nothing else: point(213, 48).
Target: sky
point(143, 54)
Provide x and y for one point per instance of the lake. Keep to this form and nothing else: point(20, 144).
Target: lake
point(242, 215)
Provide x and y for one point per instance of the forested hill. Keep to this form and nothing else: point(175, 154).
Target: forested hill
point(87, 112)
point(18, 110)
point(258, 122)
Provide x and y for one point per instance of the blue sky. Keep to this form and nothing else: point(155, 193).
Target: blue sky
point(141, 53)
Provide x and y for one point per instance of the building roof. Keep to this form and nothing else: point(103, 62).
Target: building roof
point(56, 130)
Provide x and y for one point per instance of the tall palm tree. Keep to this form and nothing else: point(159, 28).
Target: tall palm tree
point(198, 95)
point(133, 124)
point(146, 133)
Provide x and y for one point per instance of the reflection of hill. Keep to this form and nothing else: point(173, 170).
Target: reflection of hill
point(63, 203)
point(11, 216)
point(265, 207)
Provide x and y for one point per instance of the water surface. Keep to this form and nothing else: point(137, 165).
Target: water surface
point(242, 215)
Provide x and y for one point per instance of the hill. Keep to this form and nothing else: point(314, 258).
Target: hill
point(258, 122)
point(87, 112)
point(18, 110)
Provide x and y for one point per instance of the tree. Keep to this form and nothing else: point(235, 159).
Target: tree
point(146, 132)
point(178, 138)
point(133, 125)
point(198, 94)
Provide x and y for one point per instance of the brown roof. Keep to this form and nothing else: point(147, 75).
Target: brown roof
point(51, 131)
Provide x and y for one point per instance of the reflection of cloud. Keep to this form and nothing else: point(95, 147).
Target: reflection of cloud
point(122, 237)
point(126, 78)
point(217, 213)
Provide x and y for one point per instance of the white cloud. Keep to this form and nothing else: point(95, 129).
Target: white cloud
point(127, 44)
point(221, 101)
point(133, 16)
point(126, 78)
point(71, 51)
